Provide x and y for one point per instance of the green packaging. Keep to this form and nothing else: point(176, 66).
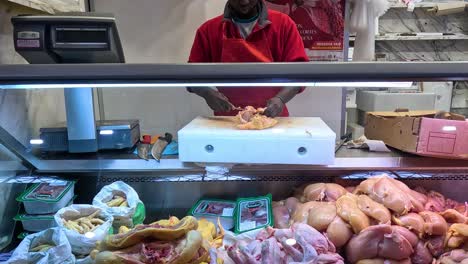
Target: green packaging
point(253, 213)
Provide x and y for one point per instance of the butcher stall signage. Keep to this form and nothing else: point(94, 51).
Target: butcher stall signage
point(320, 23)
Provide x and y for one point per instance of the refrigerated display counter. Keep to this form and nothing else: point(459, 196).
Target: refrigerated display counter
point(171, 187)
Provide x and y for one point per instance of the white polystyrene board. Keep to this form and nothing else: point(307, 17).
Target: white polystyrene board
point(371, 101)
point(277, 145)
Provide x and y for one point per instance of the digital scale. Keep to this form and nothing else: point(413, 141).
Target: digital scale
point(76, 38)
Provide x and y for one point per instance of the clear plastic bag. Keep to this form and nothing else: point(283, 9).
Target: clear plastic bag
point(59, 253)
point(83, 244)
point(130, 215)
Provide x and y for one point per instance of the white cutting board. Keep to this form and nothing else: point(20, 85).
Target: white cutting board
point(294, 140)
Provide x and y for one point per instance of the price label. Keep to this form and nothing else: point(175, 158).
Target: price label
point(228, 212)
point(247, 225)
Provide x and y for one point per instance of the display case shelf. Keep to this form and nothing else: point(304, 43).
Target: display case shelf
point(223, 74)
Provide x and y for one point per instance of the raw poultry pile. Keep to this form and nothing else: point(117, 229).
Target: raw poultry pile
point(385, 217)
point(166, 241)
point(253, 119)
point(298, 244)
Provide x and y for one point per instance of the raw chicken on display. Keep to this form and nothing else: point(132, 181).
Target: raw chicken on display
point(298, 244)
point(392, 222)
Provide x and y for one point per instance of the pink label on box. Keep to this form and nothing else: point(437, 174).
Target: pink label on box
point(439, 137)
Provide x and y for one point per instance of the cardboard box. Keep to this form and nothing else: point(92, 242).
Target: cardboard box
point(419, 133)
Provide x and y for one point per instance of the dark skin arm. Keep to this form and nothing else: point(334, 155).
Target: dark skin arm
point(276, 104)
point(214, 99)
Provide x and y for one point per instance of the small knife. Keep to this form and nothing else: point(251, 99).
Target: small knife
point(160, 145)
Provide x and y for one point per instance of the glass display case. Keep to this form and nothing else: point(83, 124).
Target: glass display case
point(170, 186)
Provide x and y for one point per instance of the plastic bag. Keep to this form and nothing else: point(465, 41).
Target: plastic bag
point(59, 254)
point(130, 215)
point(86, 260)
point(82, 244)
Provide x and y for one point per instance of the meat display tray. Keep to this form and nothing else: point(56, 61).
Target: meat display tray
point(294, 140)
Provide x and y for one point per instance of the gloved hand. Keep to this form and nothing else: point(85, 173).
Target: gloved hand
point(275, 107)
point(217, 101)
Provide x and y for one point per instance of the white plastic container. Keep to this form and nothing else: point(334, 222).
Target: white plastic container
point(47, 198)
point(294, 140)
point(36, 223)
point(214, 209)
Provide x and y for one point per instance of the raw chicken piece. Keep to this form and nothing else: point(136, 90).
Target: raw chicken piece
point(462, 208)
point(312, 237)
point(339, 232)
point(291, 203)
point(381, 241)
point(253, 119)
point(408, 235)
point(281, 216)
point(436, 245)
point(386, 192)
point(456, 256)
point(412, 221)
point(435, 202)
point(347, 208)
point(421, 255)
point(451, 204)
point(457, 235)
point(434, 224)
point(383, 261)
point(322, 216)
point(328, 192)
point(271, 252)
point(246, 115)
point(373, 209)
point(383, 189)
point(417, 200)
point(301, 214)
point(366, 187)
point(453, 216)
point(258, 122)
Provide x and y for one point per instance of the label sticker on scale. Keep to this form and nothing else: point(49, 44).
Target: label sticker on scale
point(28, 39)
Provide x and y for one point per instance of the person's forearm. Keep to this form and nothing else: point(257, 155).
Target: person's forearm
point(200, 91)
point(288, 93)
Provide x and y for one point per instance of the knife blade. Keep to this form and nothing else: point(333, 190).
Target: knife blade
point(160, 145)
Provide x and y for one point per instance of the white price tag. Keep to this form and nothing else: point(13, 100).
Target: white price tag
point(247, 225)
point(58, 183)
point(228, 212)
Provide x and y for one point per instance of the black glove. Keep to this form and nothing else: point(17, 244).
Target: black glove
point(217, 101)
point(275, 107)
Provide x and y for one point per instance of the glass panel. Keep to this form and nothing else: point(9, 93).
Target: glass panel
point(169, 109)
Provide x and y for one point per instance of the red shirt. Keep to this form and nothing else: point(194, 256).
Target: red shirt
point(286, 44)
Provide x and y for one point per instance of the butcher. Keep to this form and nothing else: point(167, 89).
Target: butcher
point(248, 32)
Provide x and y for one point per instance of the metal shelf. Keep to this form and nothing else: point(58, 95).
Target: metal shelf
point(178, 168)
point(421, 4)
point(418, 37)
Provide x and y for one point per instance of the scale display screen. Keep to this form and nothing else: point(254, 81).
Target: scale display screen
point(81, 35)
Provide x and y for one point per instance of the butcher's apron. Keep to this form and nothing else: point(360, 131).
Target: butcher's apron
point(254, 50)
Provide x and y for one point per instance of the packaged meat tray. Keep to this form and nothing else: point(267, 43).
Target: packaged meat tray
point(47, 198)
point(212, 209)
point(253, 213)
point(36, 223)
